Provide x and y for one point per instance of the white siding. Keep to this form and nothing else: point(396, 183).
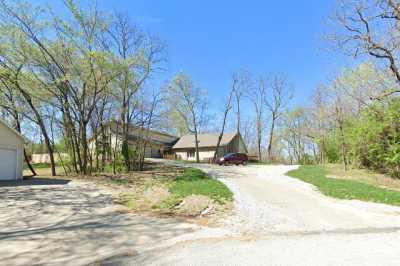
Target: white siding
point(235, 146)
point(203, 154)
point(12, 145)
point(181, 155)
point(206, 154)
point(8, 164)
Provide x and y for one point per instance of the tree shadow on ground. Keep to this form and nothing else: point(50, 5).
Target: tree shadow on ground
point(72, 225)
point(36, 181)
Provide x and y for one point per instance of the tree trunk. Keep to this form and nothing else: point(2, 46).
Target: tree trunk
point(271, 136)
point(125, 143)
point(42, 127)
point(259, 136)
point(115, 151)
point(339, 120)
point(97, 154)
point(343, 144)
point(125, 123)
point(238, 113)
point(259, 147)
point(71, 135)
point(84, 148)
point(197, 147)
point(28, 163)
point(221, 135)
point(103, 146)
point(18, 128)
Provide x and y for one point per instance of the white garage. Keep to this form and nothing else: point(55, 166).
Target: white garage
point(11, 153)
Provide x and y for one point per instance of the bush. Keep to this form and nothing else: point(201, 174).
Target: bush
point(375, 138)
point(372, 139)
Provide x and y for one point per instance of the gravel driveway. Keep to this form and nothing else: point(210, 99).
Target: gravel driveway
point(267, 200)
point(62, 222)
point(279, 220)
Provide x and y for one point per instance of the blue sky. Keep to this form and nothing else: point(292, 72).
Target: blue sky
point(209, 40)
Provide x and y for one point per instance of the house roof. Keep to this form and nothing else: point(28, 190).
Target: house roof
point(153, 136)
point(205, 140)
point(12, 130)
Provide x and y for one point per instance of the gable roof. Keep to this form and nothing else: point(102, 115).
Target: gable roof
point(135, 133)
point(12, 130)
point(205, 140)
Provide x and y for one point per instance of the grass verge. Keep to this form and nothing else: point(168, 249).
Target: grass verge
point(163, 192)
point(195, 182)
point(37, 166)
point(345, 189)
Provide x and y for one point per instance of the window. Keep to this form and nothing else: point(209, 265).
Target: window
point(229, 155)
point(190, 154)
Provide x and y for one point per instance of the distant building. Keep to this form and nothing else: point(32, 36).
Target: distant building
point(45, 157)
point(162, 145)
point(185, 148)
point(157, 143)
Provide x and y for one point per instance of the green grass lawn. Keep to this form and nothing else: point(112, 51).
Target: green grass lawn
point(37, 166)
point(345, 189)
point(180, 182)
point(195, 182)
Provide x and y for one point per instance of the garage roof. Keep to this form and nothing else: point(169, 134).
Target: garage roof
point(12, 130)
point(205, 140)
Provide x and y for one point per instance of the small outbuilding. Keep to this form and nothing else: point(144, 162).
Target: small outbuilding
point(11, 153)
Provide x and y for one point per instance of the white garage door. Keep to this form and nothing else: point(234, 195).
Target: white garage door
point(8, 159)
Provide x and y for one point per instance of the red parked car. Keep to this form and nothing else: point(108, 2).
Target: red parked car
point(234, 158)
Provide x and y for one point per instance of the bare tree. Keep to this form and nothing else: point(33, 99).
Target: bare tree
point(320, 119)
point(242, 83)
point(370, 27)
point(340, 119)
point(142, 56)
point(295, 134)
point(148, 114)
point(190, 104)
point(281, 94)
point(227, 108)
point(257, 94)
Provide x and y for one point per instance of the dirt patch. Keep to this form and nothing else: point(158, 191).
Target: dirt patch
point(143, 199)
point(195, 205)
point(155, 195)
point(147, 192)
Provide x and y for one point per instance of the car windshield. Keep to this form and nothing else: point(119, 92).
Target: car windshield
point(229, 155)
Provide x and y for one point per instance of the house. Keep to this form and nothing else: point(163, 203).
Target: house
point(158, 144)
point(185, 148)
point(45, 157)
point(11, 153)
